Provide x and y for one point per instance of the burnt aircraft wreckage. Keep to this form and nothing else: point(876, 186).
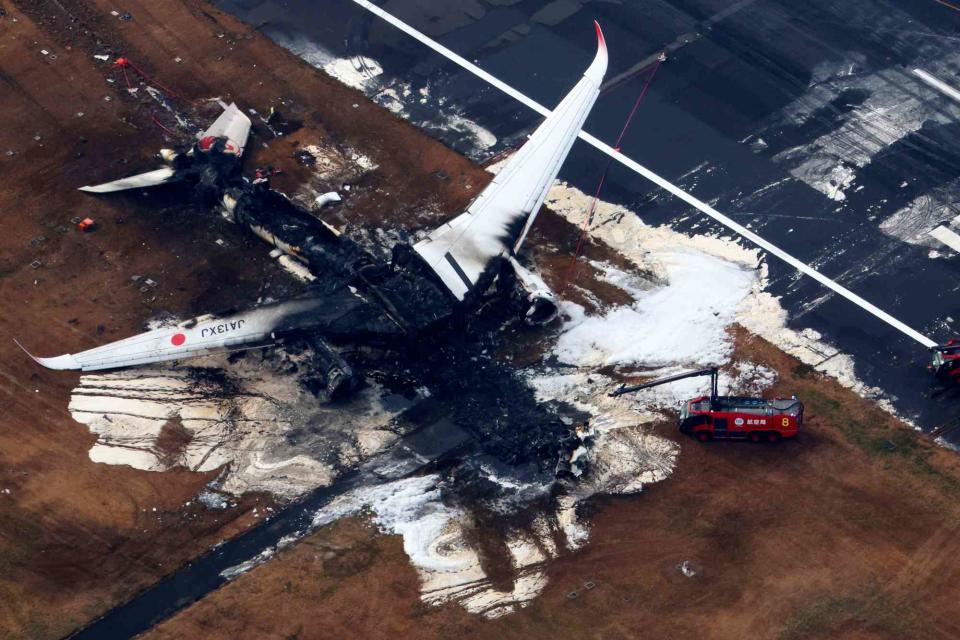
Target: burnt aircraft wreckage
point(432, 287)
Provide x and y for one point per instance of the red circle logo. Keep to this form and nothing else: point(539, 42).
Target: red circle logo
point(178, 339)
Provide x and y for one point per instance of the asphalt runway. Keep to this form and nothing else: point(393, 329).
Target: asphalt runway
point(805, 122)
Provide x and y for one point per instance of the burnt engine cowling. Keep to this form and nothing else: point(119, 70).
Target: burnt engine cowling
point(330, 375)
point(540, 304)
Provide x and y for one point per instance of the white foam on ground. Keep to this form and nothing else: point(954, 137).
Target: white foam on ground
point(246, 430)
point(482, 138)
point(684, 321)
point(623, 455)
point(435, 538)
point(358, 72)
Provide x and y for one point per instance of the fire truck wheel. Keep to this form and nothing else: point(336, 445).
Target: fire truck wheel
point(756, 436)
point(773, 436)
point(704, 436)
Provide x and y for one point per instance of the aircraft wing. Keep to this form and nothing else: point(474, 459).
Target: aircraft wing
point(497, 222)
point(234, 125)
point(198, 337)
point(148, 179)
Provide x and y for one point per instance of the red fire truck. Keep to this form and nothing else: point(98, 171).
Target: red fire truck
point(945, 363)
point(731, 417)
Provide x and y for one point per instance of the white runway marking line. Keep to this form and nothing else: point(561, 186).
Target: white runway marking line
point(937, 84)
point(947, 237)
point(650, 175)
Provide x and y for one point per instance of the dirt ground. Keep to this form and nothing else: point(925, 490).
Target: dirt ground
point(838, 534)
point(849, 532)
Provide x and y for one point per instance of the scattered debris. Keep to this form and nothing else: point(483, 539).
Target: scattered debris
point(296, 268)
point(86, 225)
point(101, 56)
point(304, 157)
point(687, 569)
point(327, 198)
point(36, 264)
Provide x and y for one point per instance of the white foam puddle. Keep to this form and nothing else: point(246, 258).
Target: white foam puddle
point(684, 321)
point(436, 538)
point(273, 435)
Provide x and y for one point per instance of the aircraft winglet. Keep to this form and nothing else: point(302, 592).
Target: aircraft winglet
point(598, 68)
point(58, 363)
point(601, 41)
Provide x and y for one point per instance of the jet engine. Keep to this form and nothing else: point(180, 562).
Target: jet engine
point(540, 303)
